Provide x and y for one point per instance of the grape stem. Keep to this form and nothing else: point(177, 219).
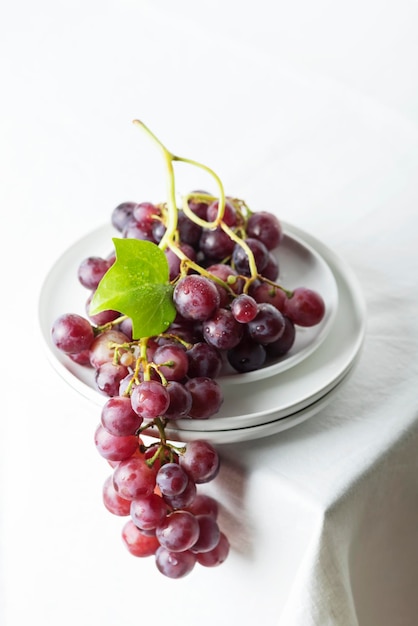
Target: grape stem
point(169, 236)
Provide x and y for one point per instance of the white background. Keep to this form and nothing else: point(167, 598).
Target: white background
point(309, 109)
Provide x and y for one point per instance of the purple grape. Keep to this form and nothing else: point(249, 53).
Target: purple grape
point(268, 325)
point(209, 534)
point(217, 555)
point(133, 478)
point(122, 214)
point(72, 333)
point(204, 360)
point(185, 498)
point(222, 330)
point(206, 395)
point(150, 399)
point(240, 257)
point(265, 227)
point(282, 345)
point(215, 244)
point(244, 308)
point(305, 308)
point(271, 271)
point(119, 418)
point(109, 376)
point(172, 479)
point(172, 361)
point(174, 564)
point(138, 543)
point(195, 297)
point(114, 448)
point(180, 401)
point(91, 271)
point(200, 461)
point(112, 500)
point(178, 532)
point(230, 214)
point(148, 511)
point(247, 356)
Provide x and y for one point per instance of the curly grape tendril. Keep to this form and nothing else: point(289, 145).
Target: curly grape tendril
point(168, 237)
point(226, 309)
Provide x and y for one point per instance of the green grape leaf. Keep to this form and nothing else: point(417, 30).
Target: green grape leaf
point(137, 285)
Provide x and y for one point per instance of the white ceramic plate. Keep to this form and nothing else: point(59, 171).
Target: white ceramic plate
point(257, 402)
point(300, 265)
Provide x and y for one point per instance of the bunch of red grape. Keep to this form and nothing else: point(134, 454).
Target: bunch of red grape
point(230, 309)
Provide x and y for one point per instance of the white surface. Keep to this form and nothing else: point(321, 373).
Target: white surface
point(308, 107)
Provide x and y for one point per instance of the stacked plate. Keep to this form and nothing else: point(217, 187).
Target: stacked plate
point(258, 403)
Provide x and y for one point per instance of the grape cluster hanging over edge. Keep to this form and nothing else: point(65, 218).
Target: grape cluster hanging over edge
point(197, 288)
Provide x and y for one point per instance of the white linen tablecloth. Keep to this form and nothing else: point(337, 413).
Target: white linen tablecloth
point(310, 110)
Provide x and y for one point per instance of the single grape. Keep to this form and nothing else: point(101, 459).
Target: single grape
point(195, 297)
point(282, 345)
point(133, 477)
point(272, 269)
point(150, 399)
point(114, 448)
point(148, 511)
point(204, 360)
point(119, 418)
point(265, 227)
point(247, 356)
point(109, 376)
point(122, 214)
point(217, 555)
point(180, 401)
point(206, 395)
point(171, 479)
point(204, 504)
point(174, 564)
point(72, 333)
point(189, 232)
point(91, 271)
point(222, 330)
point(268, 325)
point(125, 327)
point(244, 308)
point(240, 258)
point(172, 361)
point(305, 307)
point(200, 461)
point(138, 543)
point(209, 534)
point(215, 244)
point(145, 215)
point(230, 214)
point(179, 531)
point(112, 500)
